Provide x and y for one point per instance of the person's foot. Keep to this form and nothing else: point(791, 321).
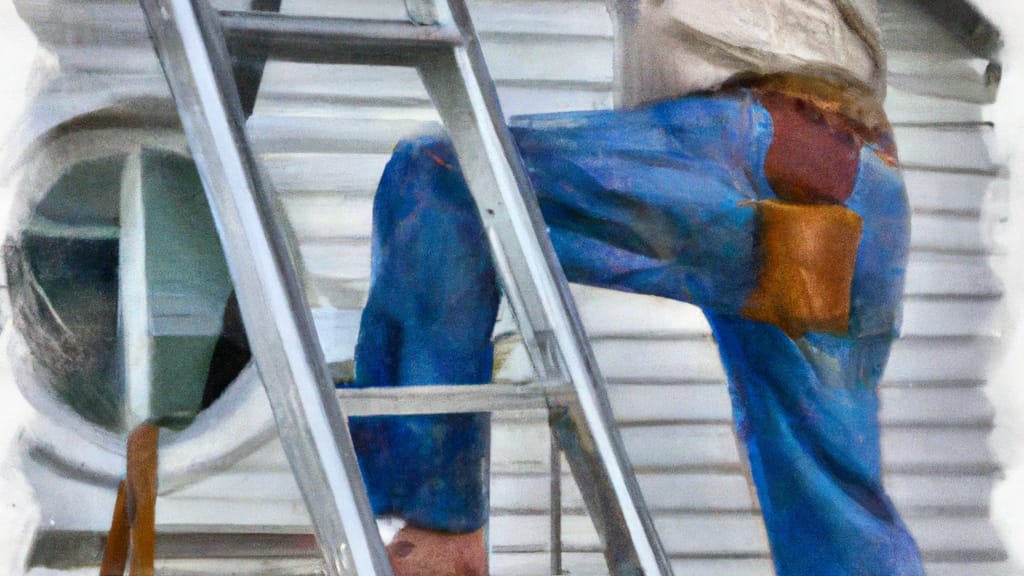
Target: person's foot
point(418, 552)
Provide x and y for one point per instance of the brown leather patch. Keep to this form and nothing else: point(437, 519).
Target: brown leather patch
point(420, 552)
point(808, 256)
point(814, 154)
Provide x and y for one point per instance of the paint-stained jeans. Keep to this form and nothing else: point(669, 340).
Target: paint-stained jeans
point(659, 200)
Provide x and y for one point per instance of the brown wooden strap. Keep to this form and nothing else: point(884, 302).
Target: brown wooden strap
point(132, 536)
point(115, 554)
point(142, 486)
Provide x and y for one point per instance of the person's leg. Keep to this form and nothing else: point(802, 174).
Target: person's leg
point(649, 201)
point(807, 408)
point(664, 200)
point(432, 306)
point(807, 412)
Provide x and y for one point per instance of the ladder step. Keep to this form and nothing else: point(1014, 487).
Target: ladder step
point(448, 399)
point(322, 40)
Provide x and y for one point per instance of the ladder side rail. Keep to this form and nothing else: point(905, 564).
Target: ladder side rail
point(313, 430)
point(464, 94)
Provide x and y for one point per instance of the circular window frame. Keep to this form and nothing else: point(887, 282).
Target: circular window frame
point(234, 426)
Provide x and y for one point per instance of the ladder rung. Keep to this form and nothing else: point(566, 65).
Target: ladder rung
point(336, 40)
point(447, 398)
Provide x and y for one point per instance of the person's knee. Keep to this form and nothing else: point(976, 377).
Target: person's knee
point(422, 171)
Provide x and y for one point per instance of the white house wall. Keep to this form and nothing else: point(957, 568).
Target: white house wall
point(324, 134)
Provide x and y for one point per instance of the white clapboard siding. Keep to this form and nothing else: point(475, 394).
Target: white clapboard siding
point(324, 134)
point(674, 406)
point(926, 59)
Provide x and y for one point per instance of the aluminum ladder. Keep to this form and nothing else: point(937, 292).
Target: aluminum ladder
point(191, 40)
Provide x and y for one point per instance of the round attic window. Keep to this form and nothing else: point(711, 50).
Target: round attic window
point(121, 292)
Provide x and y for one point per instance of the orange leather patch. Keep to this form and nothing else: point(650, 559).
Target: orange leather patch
point(808, 254)
point(814, 155)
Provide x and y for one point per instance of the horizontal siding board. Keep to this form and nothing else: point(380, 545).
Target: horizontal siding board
point(966, 317)
point(670, 403)
point(263, 512)
point(952, 537)
point(546, 59)
point(966, 78)
point(652, 403)
point(951, 233)
point(662, 492)
point(242, 485)
point(695, 534)
point(663, 448)
point(936, 407)
point(325, 174)
point(933, 492)
point(945, 359)
point(520, 447)
point(306, 135)
point(952, 275)
point(963, 193)
point(938, 449)
point(697, 446)
point(592, 564)
point(946, 147)
point(725, 535)
point(679, 492)
point(954, 568)
point(610, 312)
point(659, 360)
point(904, 107)
point(928, 274)
point(320, 217)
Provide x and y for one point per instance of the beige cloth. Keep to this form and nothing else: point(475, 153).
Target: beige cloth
point(673, 47)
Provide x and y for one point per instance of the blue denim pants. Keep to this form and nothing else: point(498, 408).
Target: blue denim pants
point(658, 200)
